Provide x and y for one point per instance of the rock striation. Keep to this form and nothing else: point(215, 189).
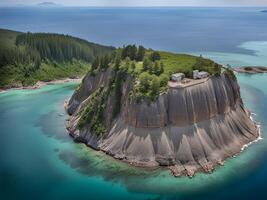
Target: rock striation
point(187, 129)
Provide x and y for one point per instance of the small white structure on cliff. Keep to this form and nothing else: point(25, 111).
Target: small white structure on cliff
point(199, 75)
point(177, 77)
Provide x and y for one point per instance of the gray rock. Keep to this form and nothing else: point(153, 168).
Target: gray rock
point(189, 129)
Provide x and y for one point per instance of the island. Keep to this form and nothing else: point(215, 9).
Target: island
point(251, 69)
point(159, 109)
point(26, 58)
point(48, 4)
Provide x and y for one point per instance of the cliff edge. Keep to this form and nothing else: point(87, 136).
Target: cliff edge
point(187, 129)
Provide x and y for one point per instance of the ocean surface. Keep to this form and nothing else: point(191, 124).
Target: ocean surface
point(38, 160)
point(173, 29)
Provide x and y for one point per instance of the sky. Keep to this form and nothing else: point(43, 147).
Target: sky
point(139, 2)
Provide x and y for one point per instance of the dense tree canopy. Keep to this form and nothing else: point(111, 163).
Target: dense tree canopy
point(132, 52)
point(26, 58)
point(60, 47)
point(32, 48)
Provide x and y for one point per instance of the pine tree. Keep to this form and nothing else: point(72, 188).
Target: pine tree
point(95, 64)
point(156, 69)
point(155, 84)
point(140, 53)
point(127, 64)
point(144, 82)
point(133, 66)
point(154, 56)
point(117, 64)
point(132, 52)
point(161, 68)
point(146, 64)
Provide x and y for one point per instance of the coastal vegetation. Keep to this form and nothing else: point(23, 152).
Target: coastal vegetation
point(29, 57)
point(26, 58)
point(128, 108)
point(150, 69)
point(149, 72)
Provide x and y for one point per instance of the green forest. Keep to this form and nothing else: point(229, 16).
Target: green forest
point(150, 69)
point(150, 72)
point(26, 58)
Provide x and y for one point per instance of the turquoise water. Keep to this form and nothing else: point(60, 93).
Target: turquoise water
point(256, 57)
point(39, 159)
point(34, 144)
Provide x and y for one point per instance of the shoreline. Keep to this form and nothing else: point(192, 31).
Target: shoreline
point(259, 134)
point(178, 170)
point(200, 159)
point(40, 84)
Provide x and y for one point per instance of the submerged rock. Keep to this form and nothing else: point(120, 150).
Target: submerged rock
point(188, 129)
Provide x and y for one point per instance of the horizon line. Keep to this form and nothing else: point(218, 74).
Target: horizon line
point(153, 6)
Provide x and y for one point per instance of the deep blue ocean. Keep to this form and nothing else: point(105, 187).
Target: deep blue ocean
point(38, 160)
point(173, 29)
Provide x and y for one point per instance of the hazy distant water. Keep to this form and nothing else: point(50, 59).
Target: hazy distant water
point(173, 29)
point(38, 160)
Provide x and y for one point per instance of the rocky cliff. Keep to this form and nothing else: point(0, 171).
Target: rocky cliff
point(188, 129)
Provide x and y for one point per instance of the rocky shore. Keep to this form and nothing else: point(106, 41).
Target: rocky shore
point(187, 129)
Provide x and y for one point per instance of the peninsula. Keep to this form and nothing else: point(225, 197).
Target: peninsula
point(151, 108)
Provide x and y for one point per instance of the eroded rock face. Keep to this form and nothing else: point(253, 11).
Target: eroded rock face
point(185, 106)
point(188, 129)
point(88, 86)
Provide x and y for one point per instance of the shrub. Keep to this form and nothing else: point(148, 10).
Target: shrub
point(154, 87)
point(163, 80)
point(154, 56)
point(144, 84)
